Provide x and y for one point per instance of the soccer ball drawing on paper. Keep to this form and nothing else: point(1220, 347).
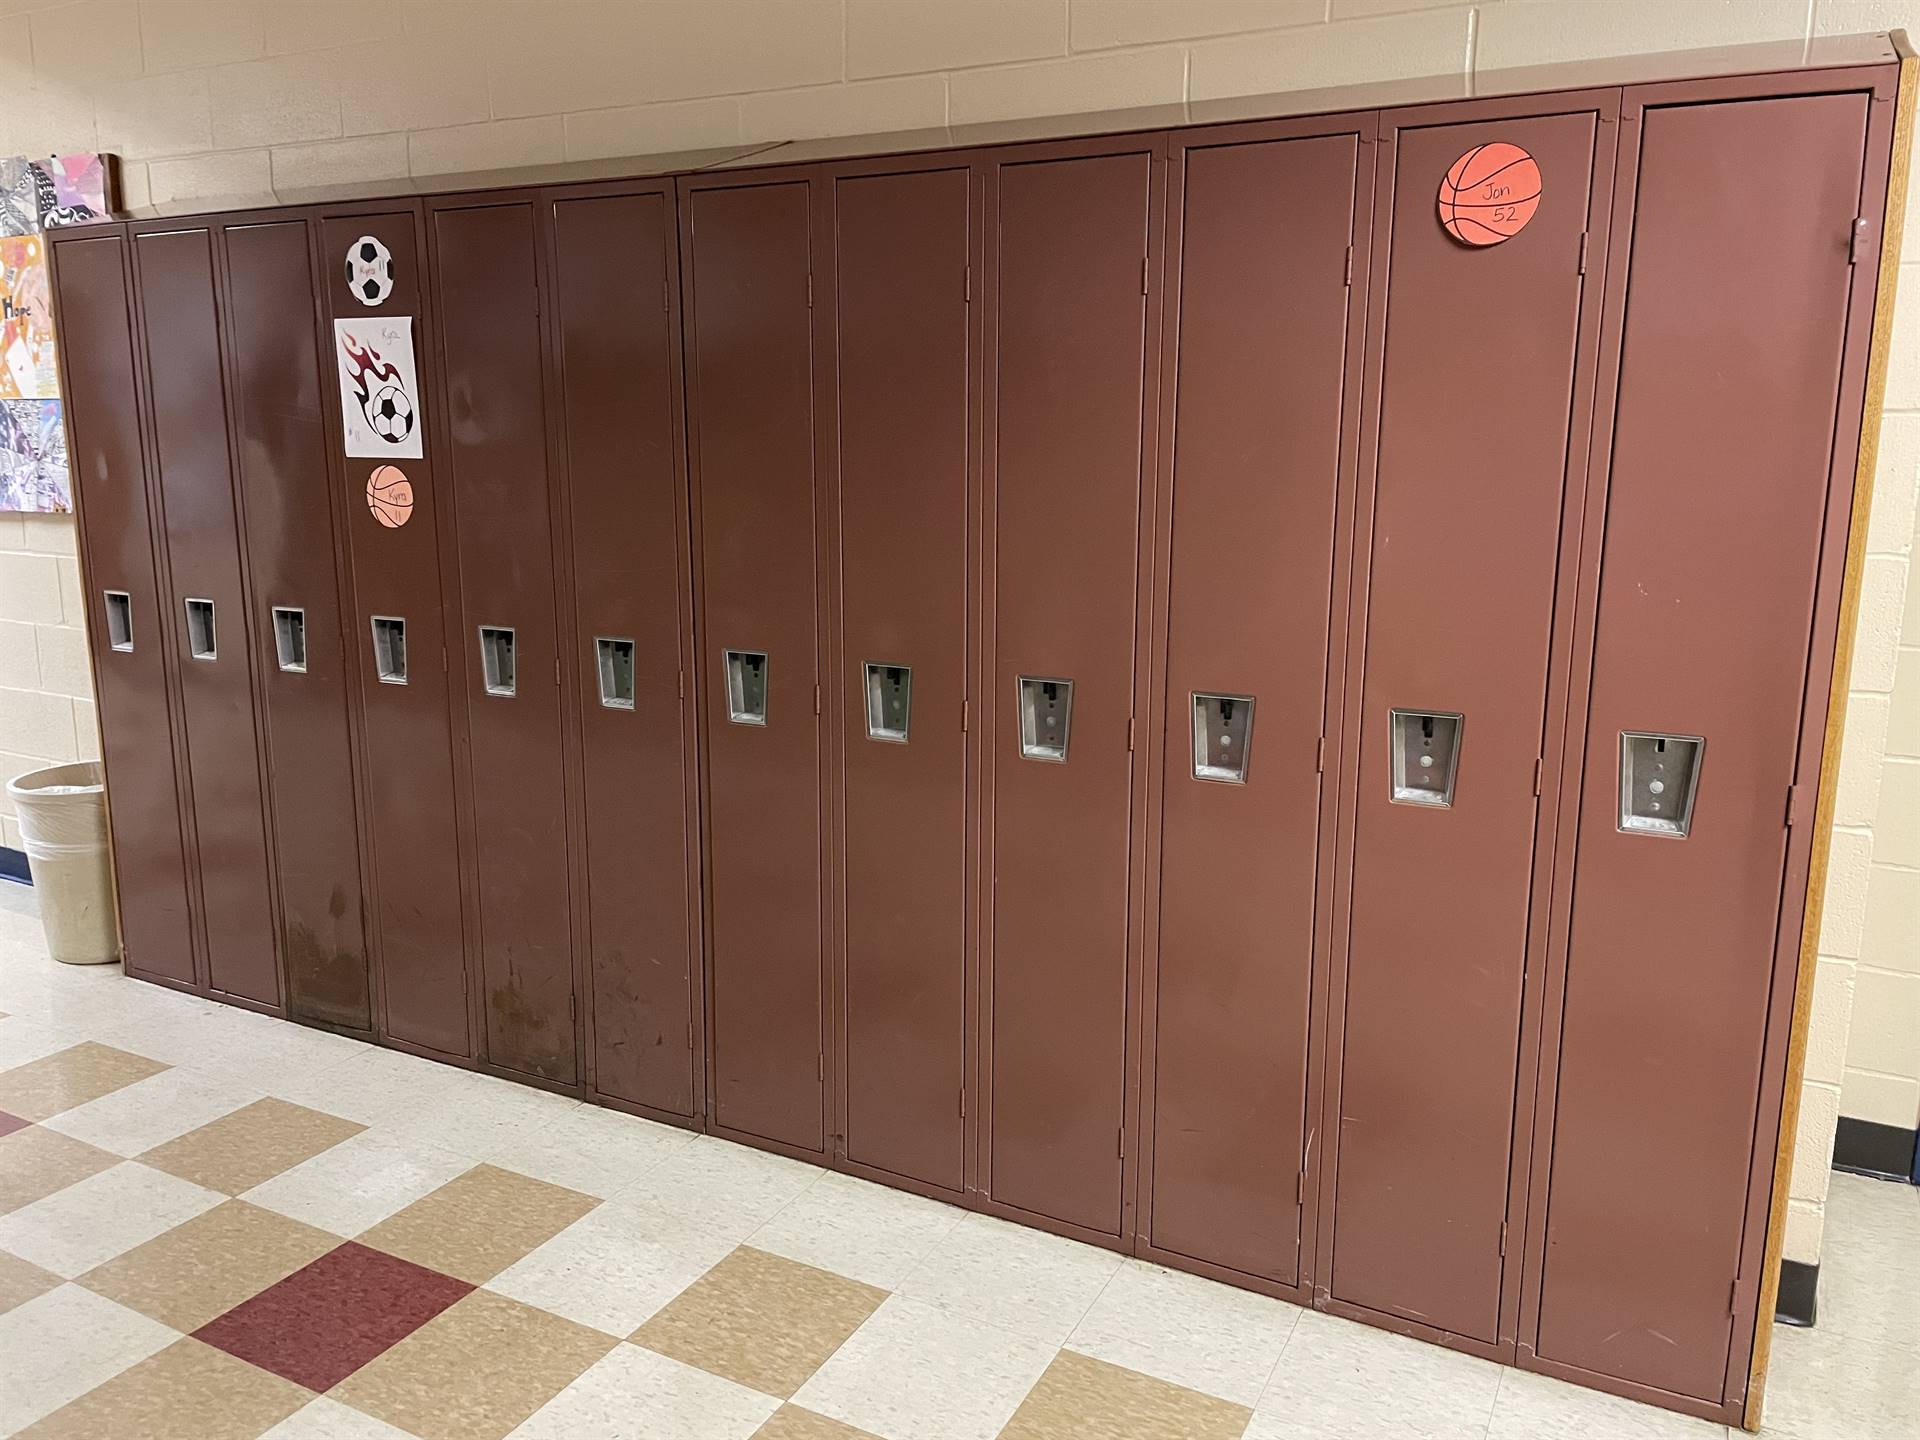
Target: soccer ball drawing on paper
point(379, 391)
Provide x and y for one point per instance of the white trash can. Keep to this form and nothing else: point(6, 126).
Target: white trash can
point(63, 824)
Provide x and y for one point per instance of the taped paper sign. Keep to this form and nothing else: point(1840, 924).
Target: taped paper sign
point(379, 387)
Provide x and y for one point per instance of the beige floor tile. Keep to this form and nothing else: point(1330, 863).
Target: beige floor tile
point(1080, 1398)
point(189, 1391)
point(58, 1346)
point(474, 1226)
point(85, 1225)
point(36, 1162)
point(475, 1371)
point(761, 1320)
point(21, 1280)
point(70, 1077)
point(790, 1422)
point(251, 1146)
point(634, 1394)
point(202, 1269)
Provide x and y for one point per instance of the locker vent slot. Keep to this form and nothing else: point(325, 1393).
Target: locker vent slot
point(889, 701)
point(1046, 718)
point(1658, 776)
point(1222, 733)
point(119, 620)
point(615, 658)
point(496, 659)
point(200, 636)
point(747, 687)
point(390, 649)
point(290, 637)
point(1426, 755)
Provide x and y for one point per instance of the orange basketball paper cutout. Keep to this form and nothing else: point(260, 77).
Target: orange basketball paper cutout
point(390, 496)
point(1489, 194)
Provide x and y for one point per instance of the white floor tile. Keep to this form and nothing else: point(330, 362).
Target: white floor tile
point(1186, 1330)
point(1535, 1407)
point(719, 1186)
point(62, 1344)
point(634, 1394)
point(366, 1085)
point(1824, 1385)
point(152, 1111)
point(88, 1223)
point(614, 1267)
point(324, 1419)
point(917, 1372)
point(359, 1182)
point(476, 1115)
point(1338, 1380)
point(857, 1229)
point(1007, 1275)
point(591, 1149)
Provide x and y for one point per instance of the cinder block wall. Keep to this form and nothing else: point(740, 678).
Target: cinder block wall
point(224, 101)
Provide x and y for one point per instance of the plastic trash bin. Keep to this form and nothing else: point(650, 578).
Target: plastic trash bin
point(63, 824)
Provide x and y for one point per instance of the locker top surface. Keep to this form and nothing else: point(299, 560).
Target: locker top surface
point(1826, 52)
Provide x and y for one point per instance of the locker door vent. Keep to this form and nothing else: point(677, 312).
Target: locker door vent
point(390, 649)
point(1658, 775)
point(614, 658)
point(119, 620)
point(889, 701)
point(200, 633)
point(747, 687)
point(290, 638)
point(496, 659)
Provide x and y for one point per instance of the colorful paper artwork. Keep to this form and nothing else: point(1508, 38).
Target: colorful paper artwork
point(33, 457)
point(27, 369)
point(47, 194)
point(379, 389)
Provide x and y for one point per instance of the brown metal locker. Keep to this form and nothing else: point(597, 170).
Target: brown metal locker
point(1070, 239)
point(128, 628)
point(412, 835)
point(1723, 471)
point(1473, 419)
point(487, 304)
point(1267, 329)
point(902, 328)
point(614, 296)
point(210, 625)
point(752, 455)
point(298, 632)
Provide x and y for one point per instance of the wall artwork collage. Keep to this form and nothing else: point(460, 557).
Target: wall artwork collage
point(36, 196)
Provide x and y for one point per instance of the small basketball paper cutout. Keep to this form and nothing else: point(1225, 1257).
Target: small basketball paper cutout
point(1489, 194)
point(390, 496)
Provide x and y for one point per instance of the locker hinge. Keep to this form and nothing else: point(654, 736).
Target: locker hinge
point(1584, 239)
point(443, 659)
point(689, 1032)
point(556, 669)
point(1853, 244)
point(1121, 1134)
point(816, 699)
point(1794, 794)
point(966, 715)
point(809, 290)
point(1129, 734)
point(1539, 770)
point(1733, 1295)
point(1503, 1237)
point(1349, 279)
point(683, 684)
point(820, 1068)
point(1320, 757)
point(963, 1102)
point(666, 293)
point(573, 1009)
point(1300, 1188)
point(1143, 274)
point(969, 289)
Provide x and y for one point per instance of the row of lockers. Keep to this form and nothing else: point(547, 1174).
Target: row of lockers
point(1136, 684)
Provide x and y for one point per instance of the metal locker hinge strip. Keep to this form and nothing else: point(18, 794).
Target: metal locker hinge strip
point(969, 284)
point(1143, 274)
point(1584, 238)
point(1349, 280)
point(1503, 1237)
point(1859, 233)
point(1320, 757)
point(1122, 1134)
point(1539, 769)
point(816, 699)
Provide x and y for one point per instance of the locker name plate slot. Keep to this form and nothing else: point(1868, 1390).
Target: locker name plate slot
point(1426, 755)
point(1046, 718)
point(889, 701)
point(119, 620)
point(747, 687)
point(1222, 732)
point(614, 657)
point(390, 649)
point(1658, 776)
point(290, 638)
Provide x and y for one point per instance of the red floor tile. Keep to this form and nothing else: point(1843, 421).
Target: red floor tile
point(11, 1123)
point(320, 1324)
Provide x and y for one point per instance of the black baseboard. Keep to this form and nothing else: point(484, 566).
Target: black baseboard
point(13, 866)
point(1799, 1300)
point(1865, 1147)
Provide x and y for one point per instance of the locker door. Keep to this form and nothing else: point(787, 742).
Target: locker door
point(900, 272)
point(411, 837)
point(750, 408)
point(298, 631)
point(210, 627)
point(103, 426)
point(1474, 424)
point(1722, 449)
point(1071, 241)
point(1263, 322)
point(488, 308)
point(613, 258)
